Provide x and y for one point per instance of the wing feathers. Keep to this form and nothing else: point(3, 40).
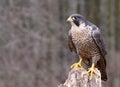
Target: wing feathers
point(96, 35)
point(71, 44)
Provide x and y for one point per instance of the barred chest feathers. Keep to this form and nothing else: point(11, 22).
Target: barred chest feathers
point(80, 35)
point(83, 41)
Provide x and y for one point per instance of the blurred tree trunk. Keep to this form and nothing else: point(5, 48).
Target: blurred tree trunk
point(33, 39)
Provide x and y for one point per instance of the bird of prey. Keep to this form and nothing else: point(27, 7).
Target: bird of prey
point(86, 41)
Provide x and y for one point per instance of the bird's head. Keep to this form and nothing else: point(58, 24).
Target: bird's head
point(76, 20)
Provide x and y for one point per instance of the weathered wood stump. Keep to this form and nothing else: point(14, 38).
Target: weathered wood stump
point(78, 78)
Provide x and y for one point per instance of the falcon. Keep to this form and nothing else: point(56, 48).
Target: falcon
point(86, 41)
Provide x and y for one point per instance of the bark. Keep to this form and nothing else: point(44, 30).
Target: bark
point(78, 78)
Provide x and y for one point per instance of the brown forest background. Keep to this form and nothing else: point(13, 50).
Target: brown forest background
point(33, 40)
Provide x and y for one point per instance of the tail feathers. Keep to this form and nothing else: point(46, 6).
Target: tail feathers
point(101, 65)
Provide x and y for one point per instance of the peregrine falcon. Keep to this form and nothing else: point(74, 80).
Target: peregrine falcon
point(86, 41)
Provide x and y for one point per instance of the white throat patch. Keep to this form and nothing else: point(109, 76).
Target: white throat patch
point(83, 26)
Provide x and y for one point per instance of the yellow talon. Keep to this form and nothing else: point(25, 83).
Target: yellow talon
point(77, 65)
point(91, 71)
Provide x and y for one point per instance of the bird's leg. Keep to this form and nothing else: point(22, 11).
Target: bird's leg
point(77, 65)
point(92, 70)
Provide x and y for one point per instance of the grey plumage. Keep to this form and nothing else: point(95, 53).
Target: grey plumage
point(86, 40)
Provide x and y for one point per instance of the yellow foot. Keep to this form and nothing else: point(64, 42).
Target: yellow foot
point(77, 65)
point(91, 71)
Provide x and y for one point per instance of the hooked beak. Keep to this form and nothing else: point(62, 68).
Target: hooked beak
point(69, 19)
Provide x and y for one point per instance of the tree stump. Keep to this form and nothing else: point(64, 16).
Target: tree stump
point(78, 78)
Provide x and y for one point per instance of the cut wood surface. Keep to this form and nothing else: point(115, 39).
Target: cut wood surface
point(78, 78)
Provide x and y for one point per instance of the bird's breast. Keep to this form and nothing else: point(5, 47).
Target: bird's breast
point(83, 41)
point(80, 36)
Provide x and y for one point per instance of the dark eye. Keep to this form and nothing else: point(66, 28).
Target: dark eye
point(74, 18)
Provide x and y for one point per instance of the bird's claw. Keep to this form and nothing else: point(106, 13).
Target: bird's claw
point(77, 65)
point(91, 71)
